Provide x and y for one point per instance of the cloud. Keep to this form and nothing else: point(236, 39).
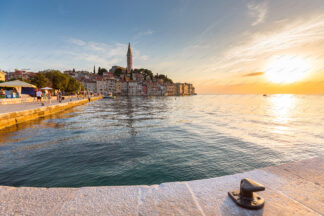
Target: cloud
point(105, 55)
point(298, 35)
point(253, 74)
point(257, 11)
point(88, 45)
point(141, 34)
point(77, 42)
point(249, 51)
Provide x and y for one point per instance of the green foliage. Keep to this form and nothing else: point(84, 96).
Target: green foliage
point(118, 72)
point(144, 72)
point(101, 71)
point(163, 77)
point(56, 80)
point(39, 80)
point(73, 85)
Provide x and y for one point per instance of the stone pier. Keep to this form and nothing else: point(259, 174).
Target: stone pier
point(291, 189)
point(12, 114)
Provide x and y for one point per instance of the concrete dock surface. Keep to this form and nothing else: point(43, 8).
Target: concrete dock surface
point(291, 189)
point(8, 108)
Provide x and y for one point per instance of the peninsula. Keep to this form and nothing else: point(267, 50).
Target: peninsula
point(118, 81)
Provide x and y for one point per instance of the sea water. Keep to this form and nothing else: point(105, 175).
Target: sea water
point(150, 140)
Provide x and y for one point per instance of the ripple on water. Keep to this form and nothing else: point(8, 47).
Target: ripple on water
point(153, 140)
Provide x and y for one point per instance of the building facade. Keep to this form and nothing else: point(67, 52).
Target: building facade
point(2, 76)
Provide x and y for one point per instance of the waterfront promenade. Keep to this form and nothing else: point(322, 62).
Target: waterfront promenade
point(11, 114)
point(7, 108)
point(291, 189)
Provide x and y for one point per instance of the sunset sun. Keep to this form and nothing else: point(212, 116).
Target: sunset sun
point(287, 69)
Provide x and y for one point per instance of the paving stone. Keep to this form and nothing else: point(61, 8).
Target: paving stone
point(102, 201)
point(311, 170)
point(299, 189)
point(32, 201)
point(167, 199)
point(213, 198)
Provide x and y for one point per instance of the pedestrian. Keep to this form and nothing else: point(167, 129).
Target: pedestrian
point(60, 96)
point(39, 96)
point(57, 94)
point(49, 96)
point(45, 95)
point(2, 93)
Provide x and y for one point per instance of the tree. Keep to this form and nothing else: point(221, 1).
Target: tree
point(101, 71)
point(94, 69)
point(73, 85)
point(118, 72)
point(58, 80)
point(98, 69)
point(73, 70)
point(40, 80)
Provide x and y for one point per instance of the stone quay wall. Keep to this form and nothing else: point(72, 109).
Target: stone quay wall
point(13, 118)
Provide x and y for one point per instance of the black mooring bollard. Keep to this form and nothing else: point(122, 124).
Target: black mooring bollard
point(245, 197)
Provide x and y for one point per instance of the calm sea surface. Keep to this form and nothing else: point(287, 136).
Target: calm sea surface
point(131, 141)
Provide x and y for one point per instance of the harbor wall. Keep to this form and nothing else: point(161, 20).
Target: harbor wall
point(13, 118)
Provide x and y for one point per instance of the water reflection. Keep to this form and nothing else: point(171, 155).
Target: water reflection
point(282, 107)
point(130, 112)
point(19, 132)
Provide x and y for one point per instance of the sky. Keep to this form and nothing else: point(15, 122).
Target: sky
point(221, 46)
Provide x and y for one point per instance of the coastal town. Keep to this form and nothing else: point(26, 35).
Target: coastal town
point(117, 81)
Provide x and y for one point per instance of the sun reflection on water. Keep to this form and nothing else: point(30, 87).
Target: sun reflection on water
point(282, 108)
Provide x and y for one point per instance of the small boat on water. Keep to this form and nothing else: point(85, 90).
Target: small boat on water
point(109, 96)
point(265, 95)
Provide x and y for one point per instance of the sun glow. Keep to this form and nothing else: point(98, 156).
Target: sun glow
point(287, 69)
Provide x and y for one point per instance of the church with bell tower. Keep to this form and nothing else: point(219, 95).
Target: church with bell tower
point(129, 59)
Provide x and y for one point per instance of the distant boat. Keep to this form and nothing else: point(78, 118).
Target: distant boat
point(265, 95)
point(109, 96)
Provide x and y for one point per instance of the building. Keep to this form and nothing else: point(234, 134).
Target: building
point(118, 86)
point(90, 86)
point(19, 74)
point(101, 87)
point(186, 89)
point(179, 89)
point(170, 90)
point(111, 86)
point(139, 89)
point(132, 88)
point(124, 88)
point(129, 59)
point(2, 76)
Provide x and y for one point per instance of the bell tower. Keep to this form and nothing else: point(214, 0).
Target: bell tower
point(129, 59)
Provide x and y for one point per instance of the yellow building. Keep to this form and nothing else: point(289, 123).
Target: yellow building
point(2, 76)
